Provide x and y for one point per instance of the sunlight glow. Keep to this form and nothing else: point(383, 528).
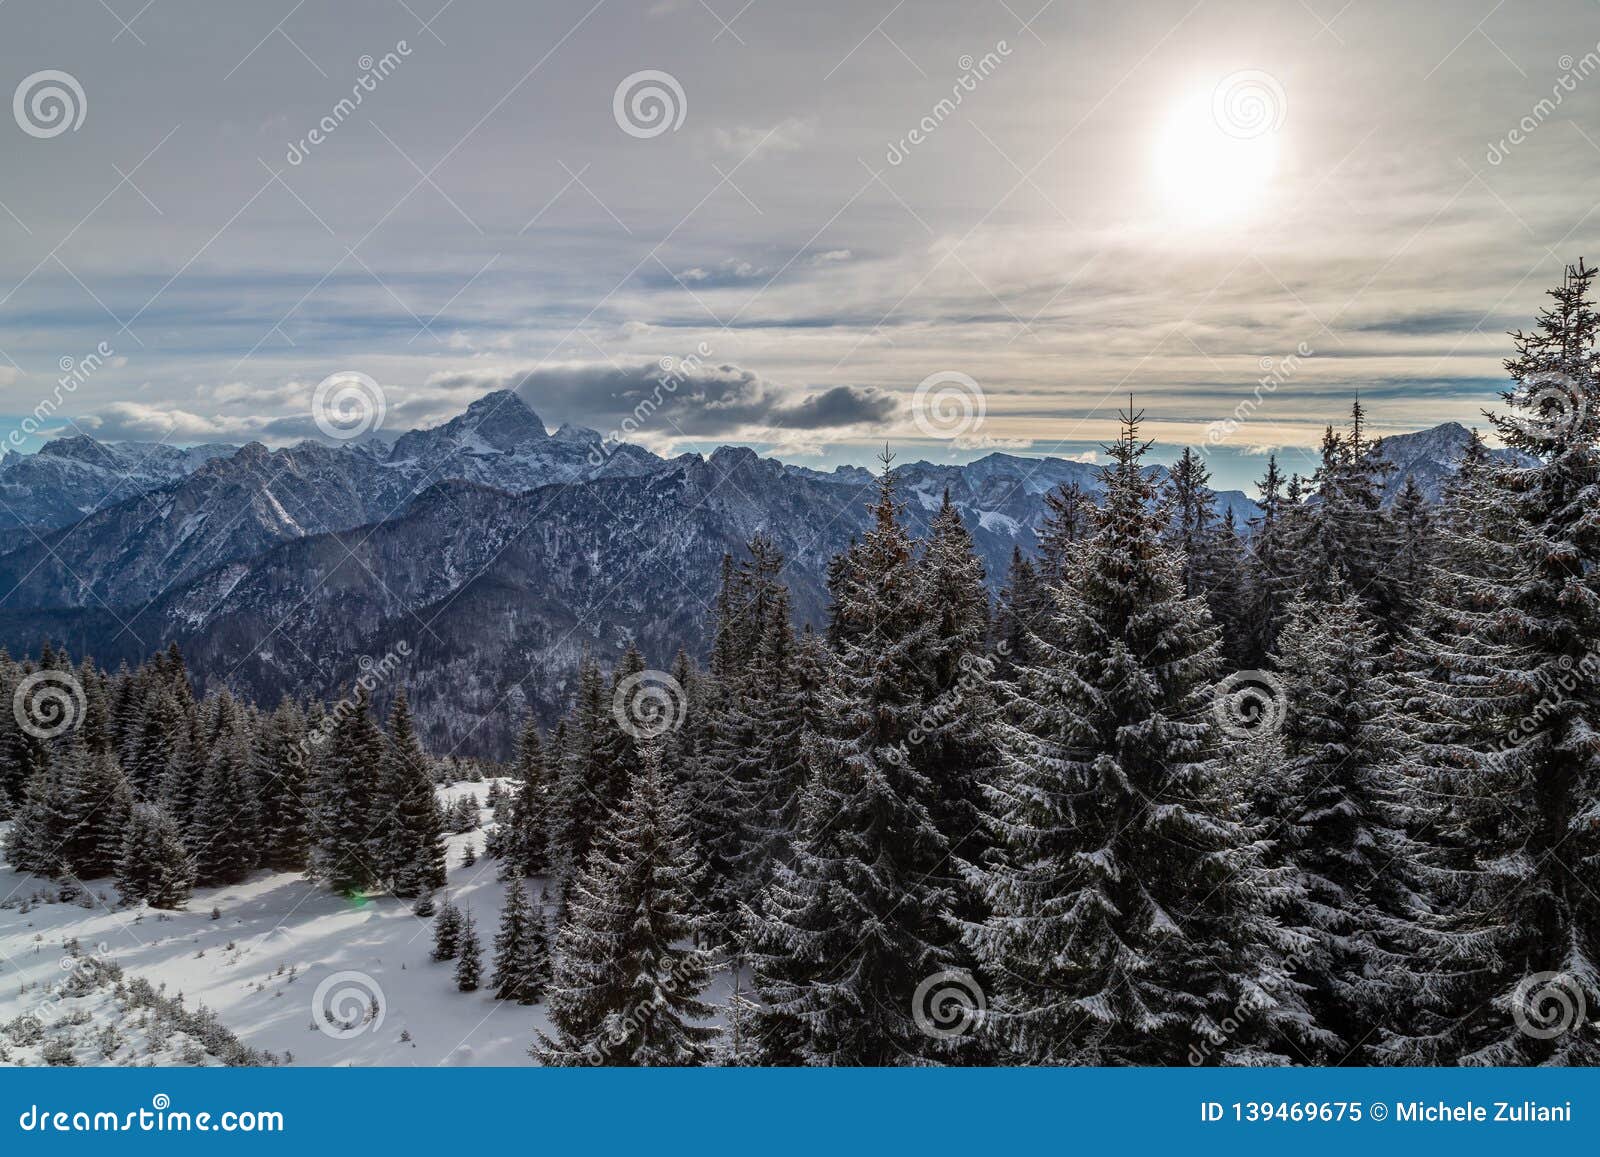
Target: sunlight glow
point(1214, 160)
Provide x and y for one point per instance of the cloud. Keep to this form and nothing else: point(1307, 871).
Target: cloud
point(730, 271)
point(990, 442)
point(784, 137)
point(693, 401)
point(229, 393)
point(139, 422)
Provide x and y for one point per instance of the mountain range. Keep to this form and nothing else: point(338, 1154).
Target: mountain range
point(497, 551)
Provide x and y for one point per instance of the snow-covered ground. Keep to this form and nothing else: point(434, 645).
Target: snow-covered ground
point(258, 967)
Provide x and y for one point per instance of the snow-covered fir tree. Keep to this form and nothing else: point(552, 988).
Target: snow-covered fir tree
point(447, 924)
point(626, 990)
point(1066, 523)
point(848, 930)
point(1019, 611)
point(521, 949)
point(1131, 915)
point(469, 955)
point(347, 798)
point(1346, 824)
point(1510, 712)
point(522, 838)
point(224, 834)
point(154, 865)
point(282, 774)
point(410, 829)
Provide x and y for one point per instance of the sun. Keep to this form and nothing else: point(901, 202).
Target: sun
point(1217, 152)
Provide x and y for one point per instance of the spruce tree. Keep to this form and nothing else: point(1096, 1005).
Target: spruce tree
point(283, 769)
point(154, 865)
point(16, 767)
point(616, 749)
point(523, 839)
point(410, 840)
point(1413, 533)
point(155, 742)
point(625, 990)
point(41, 823)
point(953, 737)
point(1130, 915)
point(1347, 536)
point(185, 779)
point(225, 833)
point(1270, 571)
point(581, 799)
point(1512, 719)
point(350, 766)
point(469, 961)
point(447, 932)
point(746, 739)
point(1227, 597)
point(1018, 612)
point(521, 950)
point(848, 931)
point(1191, 506)
point(1364, 901)
point(96, 801)
point(1066, 523)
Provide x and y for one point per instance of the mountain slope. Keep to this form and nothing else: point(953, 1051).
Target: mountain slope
point(71, 477)
point(1430, 456)
point(235, 507)
point(496, 594)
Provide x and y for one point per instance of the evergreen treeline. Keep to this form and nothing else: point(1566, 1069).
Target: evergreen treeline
point(167, 791)
point(1048, 831)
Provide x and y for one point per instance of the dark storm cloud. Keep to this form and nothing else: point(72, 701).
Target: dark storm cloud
point(696, 400)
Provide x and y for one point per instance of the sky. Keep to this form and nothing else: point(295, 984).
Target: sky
point(812, 229)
